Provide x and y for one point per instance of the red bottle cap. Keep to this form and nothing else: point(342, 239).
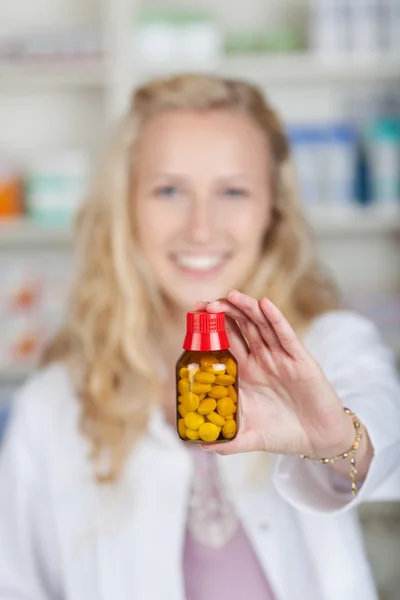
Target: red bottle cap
point(205, 331)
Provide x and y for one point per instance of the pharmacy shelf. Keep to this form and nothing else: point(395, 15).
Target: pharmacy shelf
point(57, 75)
point(14, 375)
point(290, 69)
point(23, 233)
point(325, 220)
point(306, 67)
point(354, 220)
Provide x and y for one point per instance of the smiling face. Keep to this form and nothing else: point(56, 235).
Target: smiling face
point(202, 197)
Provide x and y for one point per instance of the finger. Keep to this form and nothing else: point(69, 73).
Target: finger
point(248, 328)
point(252, 309)
point(237, 342)
point(283, 329)
point(239, 345)
point(248, 441)
point(201, 304)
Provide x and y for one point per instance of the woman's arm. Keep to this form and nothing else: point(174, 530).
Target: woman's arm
point(364, 456)
point(292, 405)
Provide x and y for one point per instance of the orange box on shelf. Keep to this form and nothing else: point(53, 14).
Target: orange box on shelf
point(11, 195)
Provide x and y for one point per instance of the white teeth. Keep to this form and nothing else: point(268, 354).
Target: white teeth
point(200, 263)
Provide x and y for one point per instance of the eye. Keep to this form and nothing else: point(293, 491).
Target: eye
point(167, 191)
point(235, 192)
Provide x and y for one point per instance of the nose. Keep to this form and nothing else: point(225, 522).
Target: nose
point(200, 221)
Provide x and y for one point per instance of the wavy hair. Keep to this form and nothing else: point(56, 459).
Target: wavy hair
point(115, 307)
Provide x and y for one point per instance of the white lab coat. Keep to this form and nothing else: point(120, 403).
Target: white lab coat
point(63, 538)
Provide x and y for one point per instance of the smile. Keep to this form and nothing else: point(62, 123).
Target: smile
point(200, 263)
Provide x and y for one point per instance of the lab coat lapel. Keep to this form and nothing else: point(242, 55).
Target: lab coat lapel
point(266, 520)
point(141, 555)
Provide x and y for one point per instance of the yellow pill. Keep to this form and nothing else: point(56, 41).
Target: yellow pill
point(232, 393)
point(180, 398)
point(200, 388)
point(231, 367)
point(182, 428)
point(207, 361)
point(218, 391)
point(206, 406)
point(204, 377)
point(229, 417)
point(202, 396)
point(191, 401)
point(193, 420)
point(216, 419)
point(209, 432)
point(191, 434)
point(184, 373)
point(183, 386)
point(224, 380)
point(225, 407)
point(229, 430)
point(182, 410)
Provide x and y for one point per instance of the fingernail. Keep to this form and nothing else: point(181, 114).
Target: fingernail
point(213, 303)
point(207, 448)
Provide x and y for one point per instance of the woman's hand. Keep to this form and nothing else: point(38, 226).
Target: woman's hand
point(287, 405)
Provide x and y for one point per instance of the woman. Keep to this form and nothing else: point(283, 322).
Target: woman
point(99, 497)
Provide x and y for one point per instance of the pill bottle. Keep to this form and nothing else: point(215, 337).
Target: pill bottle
point(383, 151)
point(309, 147)
point(206, 382)
point(341, 164)
point(329, 28)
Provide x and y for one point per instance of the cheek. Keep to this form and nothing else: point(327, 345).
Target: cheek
point(248, 226)
point(156, 223)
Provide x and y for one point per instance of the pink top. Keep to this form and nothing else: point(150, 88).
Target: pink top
point(219, 561)
point(230, 572)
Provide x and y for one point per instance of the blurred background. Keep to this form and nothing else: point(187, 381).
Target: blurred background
point(330, 67)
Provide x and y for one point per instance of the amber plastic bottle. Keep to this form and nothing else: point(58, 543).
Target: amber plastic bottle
point(206, 382)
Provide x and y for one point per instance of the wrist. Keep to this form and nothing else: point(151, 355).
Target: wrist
point(350, 453)
point(344, 442)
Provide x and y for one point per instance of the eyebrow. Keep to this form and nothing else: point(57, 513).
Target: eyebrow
point(228, 177)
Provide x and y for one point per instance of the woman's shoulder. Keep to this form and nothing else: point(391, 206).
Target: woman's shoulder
point(340, 335)
point(46, 381)
point(340, 322)
point(46, 395)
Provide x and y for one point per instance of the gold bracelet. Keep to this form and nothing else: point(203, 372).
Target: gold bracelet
point(350, 453)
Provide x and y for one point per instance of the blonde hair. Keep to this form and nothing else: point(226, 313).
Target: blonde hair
point(115, 307)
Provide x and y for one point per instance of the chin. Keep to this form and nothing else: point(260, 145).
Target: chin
point(188, 297)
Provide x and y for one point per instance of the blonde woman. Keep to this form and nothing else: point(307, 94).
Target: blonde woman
point(99, 499)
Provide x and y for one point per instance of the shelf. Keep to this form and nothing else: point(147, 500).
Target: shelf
point(14, 375)
point(51, 75)
point(354, 220)
point(22, 233)
point(291, 69)
point(295, 68)
point(285, 69)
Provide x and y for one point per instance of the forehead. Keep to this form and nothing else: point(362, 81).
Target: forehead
point(184, 140)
